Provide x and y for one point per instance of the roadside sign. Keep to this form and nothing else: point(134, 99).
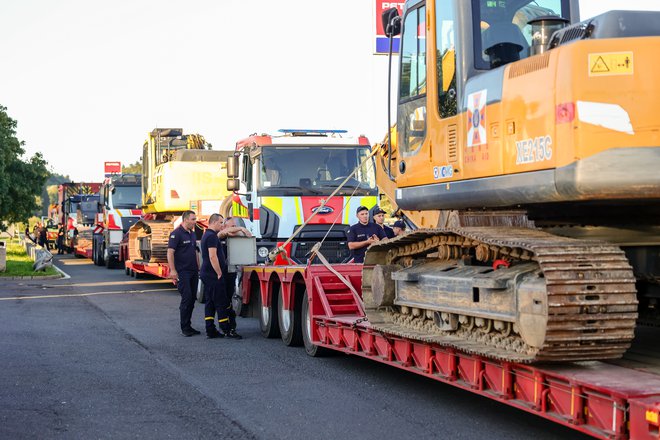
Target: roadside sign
point(112, 168)
point(381, 42)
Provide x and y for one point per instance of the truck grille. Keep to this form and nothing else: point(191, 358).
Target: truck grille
point(333, 251)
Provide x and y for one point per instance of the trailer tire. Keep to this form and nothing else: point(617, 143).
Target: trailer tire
point(289, 320)
point(108, 260)
point(311, 349)
point(94, 256)
point(127, 270)
point(237, 298)
point(100, 260)
point(200, 292)
point(268, 322)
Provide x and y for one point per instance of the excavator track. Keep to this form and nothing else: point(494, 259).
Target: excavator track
point(589, 308)
point(150, 237)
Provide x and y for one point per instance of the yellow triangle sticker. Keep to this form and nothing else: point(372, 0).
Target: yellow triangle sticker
point(600, 66)
point(611, 63)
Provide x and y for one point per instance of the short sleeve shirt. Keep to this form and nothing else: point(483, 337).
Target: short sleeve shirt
point(359, 232)
point(209, 241)
point(389, 232)
point(185, 250)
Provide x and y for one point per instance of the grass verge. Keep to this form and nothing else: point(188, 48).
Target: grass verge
point(19, 263)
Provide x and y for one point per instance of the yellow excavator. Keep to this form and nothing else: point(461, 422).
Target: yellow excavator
point(179, 172)
point(529, 142)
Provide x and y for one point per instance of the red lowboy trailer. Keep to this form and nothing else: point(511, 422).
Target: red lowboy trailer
point(311, 305)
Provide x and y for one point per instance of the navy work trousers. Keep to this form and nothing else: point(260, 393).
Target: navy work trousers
point(187, 286)
point(216, 302)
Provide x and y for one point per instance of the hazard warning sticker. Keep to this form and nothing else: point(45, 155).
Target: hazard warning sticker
point(611, 63)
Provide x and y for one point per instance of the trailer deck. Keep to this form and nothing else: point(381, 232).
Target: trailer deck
point(603, 400)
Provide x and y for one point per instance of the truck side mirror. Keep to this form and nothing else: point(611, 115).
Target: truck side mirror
point(391, 22)
point(232, 185)
point(232, 167)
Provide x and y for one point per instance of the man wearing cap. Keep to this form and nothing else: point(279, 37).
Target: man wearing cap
point(362, 234)
point(379, 219)
point(399, 228)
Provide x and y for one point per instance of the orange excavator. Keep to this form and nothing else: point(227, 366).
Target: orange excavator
point(526, 152)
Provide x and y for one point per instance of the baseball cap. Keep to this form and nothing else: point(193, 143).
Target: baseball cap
point(399, 224)
point(361, 208)
point(379, 210)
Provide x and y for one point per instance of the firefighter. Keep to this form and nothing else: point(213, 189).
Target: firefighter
point(399, 228)
point(379, 219)
point(362, 234)
point(60, 240)
point(231, 229)
point(213, 273)
point(184, 267)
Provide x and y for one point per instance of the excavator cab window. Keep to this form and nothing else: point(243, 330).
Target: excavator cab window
point(502, 30)
point(412, 82)
point(446, 59)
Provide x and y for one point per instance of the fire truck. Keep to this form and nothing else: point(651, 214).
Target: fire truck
point(280, 181)
point(120, 208)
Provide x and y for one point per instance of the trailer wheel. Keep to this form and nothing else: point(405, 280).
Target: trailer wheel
point(237, 298)
point(312, 349)
point(289, 320)
point(94, 251)
point(127, 270)
point(200, 291)
point(108, 259)
point(99, 256)
point(267, 319)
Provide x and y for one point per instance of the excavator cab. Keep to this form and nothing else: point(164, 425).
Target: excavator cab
point(438, 60)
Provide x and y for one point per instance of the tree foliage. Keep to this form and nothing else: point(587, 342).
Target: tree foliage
point(49, 193)
point(21, 180)
point(134, 168)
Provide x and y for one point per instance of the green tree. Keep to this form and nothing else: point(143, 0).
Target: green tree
point(134, 168)
point(21, 180)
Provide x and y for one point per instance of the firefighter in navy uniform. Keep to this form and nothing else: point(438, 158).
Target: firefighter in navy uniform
point(379, 219)
point(60, 240)
point(231, 229)
point(214, 273)
point(362, 234)
point(184, 267)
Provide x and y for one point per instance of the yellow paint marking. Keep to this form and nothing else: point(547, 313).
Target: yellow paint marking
point(572, 401)
point(274, 204)
point(299, 214)
point(536, 388)
point(652, 417)
point(64, 295)
point(112, 283)
point(611, 63)
point(76, 262)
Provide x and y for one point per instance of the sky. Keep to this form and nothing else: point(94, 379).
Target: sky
point(87, 80)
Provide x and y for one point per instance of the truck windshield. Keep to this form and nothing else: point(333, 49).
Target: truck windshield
point(316, 170)
point(126, 197)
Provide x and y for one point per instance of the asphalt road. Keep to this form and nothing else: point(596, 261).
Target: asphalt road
point(100, 355)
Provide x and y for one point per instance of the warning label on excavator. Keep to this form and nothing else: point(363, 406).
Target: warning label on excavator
point(611, 63)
